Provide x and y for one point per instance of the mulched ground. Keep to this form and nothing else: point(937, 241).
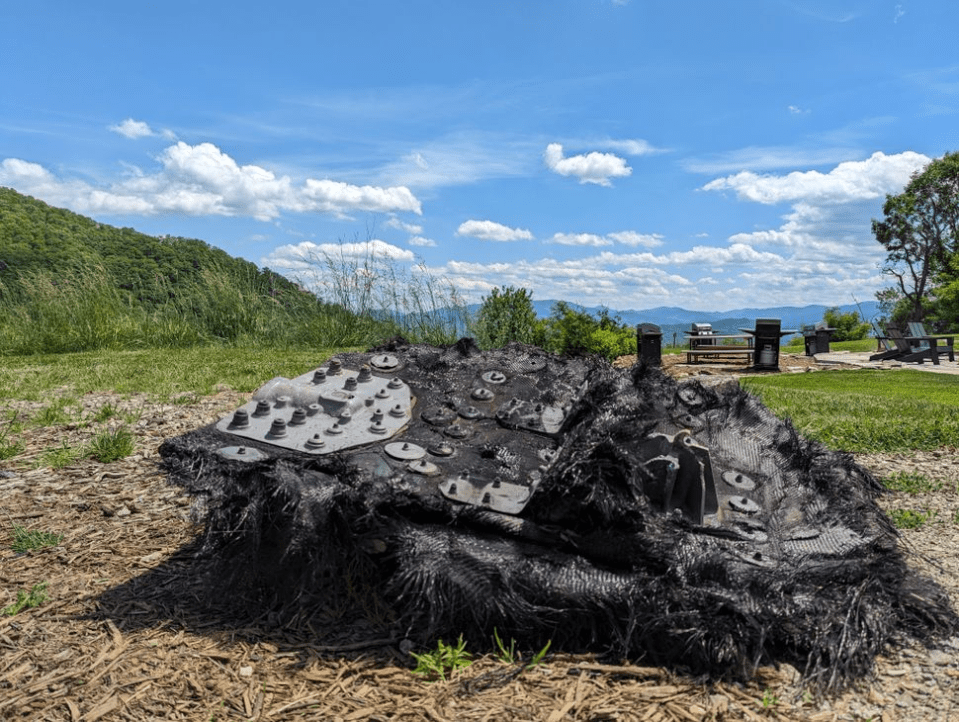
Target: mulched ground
point(128, 631)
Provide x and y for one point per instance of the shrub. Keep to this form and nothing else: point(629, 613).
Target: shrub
point(505, 315)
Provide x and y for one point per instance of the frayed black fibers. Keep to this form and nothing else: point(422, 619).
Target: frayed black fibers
point(669, 523)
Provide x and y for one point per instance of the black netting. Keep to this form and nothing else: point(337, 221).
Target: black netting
point(670, 523)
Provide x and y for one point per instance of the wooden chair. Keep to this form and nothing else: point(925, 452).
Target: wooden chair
point(906, 349)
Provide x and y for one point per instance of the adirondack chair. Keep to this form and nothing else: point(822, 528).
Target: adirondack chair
point(921, 339)
point(905, 352)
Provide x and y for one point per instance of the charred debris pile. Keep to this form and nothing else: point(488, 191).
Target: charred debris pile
point(557, 498)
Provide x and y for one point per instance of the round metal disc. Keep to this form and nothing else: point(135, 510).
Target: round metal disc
point(241, 453)
point(404, 451)
point(384, 362)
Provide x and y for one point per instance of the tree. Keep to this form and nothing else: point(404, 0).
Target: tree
point(920, 232)
point(505, 315)
point(849, 326)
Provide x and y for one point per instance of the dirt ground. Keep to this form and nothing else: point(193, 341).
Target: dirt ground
point(127, 633)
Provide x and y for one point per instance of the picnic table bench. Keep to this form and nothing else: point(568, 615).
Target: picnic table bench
point(704, 347)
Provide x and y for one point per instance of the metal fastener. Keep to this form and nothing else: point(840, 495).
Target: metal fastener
point(241, 419)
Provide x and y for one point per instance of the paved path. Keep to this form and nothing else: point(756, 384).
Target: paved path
point(862, 360)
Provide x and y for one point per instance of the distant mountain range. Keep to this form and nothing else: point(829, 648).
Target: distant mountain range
point(673, 320)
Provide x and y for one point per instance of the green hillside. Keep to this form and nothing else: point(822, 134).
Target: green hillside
point(36, 237)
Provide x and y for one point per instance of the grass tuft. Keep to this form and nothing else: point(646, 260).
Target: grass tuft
point(108, 446)
point(445, 659)
point(911, 482)
point(910, 518)
point(27, 600)
point(27, 540)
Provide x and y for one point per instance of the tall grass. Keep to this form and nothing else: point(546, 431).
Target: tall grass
point(369, 300)
point(375, 288)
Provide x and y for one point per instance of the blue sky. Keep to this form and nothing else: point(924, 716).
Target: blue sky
point(629, 153)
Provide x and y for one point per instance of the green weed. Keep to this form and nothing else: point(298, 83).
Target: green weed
point(504, 654)
point(9, 447)
point(769, 700)
point(911, 482)
point(59, 457)
point(910, 518)
point(105, 413)
point(112, 445)
point(445, 659)
point(52, 415)
point(27, 600)
point(26, 540)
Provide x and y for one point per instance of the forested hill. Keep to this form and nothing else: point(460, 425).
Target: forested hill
point(35, 236)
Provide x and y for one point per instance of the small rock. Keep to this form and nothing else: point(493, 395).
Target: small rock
point(151, 558)
point(246, 671)
point(905, 700)
point(123, 511)
point(937, 656)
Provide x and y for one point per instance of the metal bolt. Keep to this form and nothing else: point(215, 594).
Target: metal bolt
point(395, 383)
point(452, 489)
point(346, 416)
point(470, 412)
point(486, 498)
point(482, 394)
point(350, 384)
point(378, 428)
point(441, 450)
point(319, 376)
point(241, 449)
point(241, 419)
point(382, 394)
point(312, 409)
point(298, 418)
point(366, 373)
point(262, 408)
point(398, 411)
point(378, 415)
point(278, 428)
point(336, 366)
point(315, 442)
point(497, 483)
point(282, 401)
point(457, 432)
point(334, 429)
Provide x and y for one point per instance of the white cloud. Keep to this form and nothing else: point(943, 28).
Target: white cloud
point(491, 231)
point(849, 181)
point(133, 129)
point(628, 146)
point(593, 167)
point(422, 242)
point(766, 158)
point(411, 228)
point(632, 238)
point(203, 180)
point(579, 239)
point(796, 110)
point(313, 257)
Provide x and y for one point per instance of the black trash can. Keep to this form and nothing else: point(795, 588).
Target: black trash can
point(766, 339)
point(649, 339)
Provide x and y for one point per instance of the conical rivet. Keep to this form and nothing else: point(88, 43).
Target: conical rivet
point(319, 376)
point(366, 373)
point(398, 411)
point(262, 408)
point(298, 418)
point(241, 419)
point(278, 428)
point(395, 383)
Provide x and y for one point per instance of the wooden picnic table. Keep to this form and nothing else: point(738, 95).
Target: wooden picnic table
point(732, 345)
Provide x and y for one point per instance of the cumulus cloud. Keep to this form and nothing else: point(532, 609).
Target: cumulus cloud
point(312, 257)
point(632, 238)
point(412, 228)
point(592, 167)
point(491, 231)
point(422, 242)
point(203, 180)
point(133, 129)
point(849, 181)
point(579, 239)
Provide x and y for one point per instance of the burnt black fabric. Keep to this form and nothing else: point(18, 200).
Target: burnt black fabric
point(791, 559)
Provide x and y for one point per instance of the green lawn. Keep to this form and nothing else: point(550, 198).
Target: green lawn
point(159, 372)
point(867, 410)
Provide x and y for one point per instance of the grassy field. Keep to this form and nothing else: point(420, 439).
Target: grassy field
point(867, 410)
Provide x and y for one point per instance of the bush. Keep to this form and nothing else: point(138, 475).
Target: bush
point(505, 315)
point(849, 326)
